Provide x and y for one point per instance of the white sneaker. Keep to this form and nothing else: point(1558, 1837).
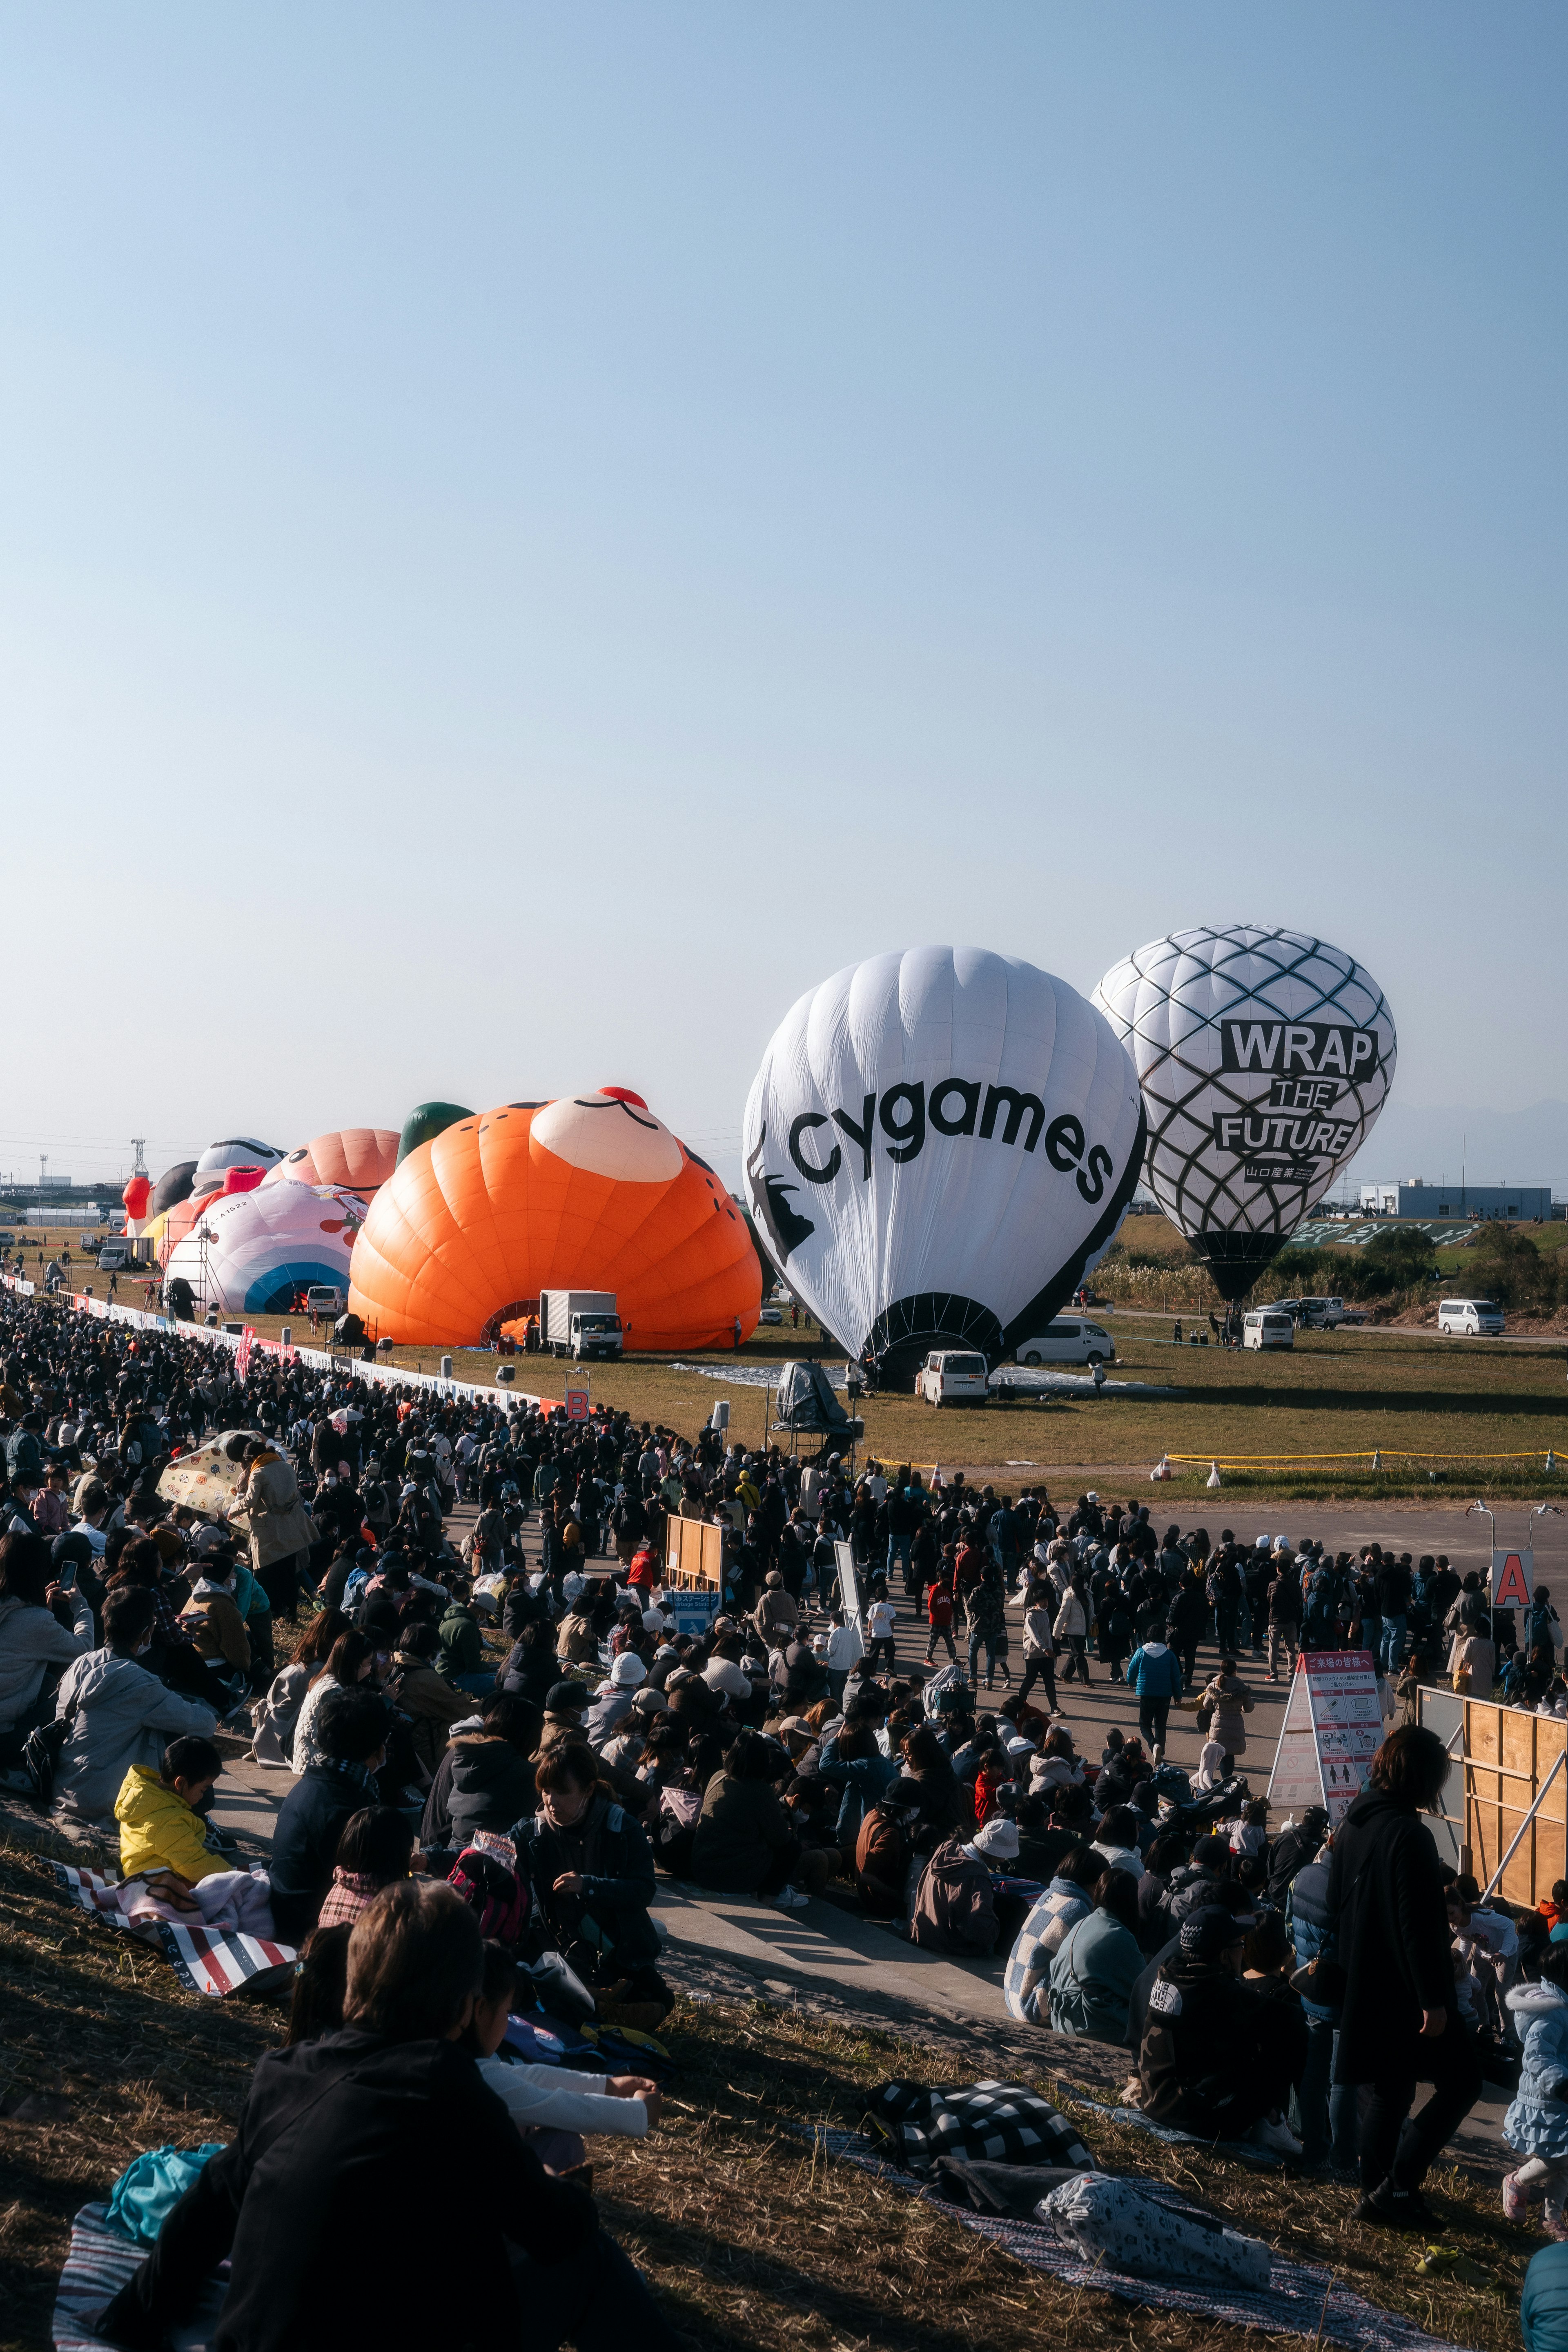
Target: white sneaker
point(1277, 2138)
point(790, 1898)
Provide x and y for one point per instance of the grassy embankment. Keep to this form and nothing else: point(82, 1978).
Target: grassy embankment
point(753, 2238)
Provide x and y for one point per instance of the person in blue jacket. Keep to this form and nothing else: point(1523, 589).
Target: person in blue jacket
point(1543, 2307)
point(1536, 2125)
point(1154, 1671)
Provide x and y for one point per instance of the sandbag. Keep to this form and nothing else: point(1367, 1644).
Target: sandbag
point(1126, 2226)
point(152, 2185)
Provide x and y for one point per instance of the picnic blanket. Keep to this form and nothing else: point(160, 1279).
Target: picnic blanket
point(205, 1959)
point(101, 2261)
point(998, 2122)
point(1299, 2300)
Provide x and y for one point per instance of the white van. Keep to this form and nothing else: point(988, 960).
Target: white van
point(946, 1378)
point(1269, 1327)
point(1471, 1319)
point(324, 1299)
point(1068, 1341)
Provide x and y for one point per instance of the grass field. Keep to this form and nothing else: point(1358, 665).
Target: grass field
point(1476, 1414)
point(752, 2235)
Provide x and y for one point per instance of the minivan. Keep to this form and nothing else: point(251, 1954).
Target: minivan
point(1268, 1327)
point(953, 1378)
point(1473, 1318)
point(1068, 1341)
point(324, 1299)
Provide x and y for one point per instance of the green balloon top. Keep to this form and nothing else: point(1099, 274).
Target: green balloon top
point(426, 1120)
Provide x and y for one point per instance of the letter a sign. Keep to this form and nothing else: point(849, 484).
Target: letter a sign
point(1513, 1574)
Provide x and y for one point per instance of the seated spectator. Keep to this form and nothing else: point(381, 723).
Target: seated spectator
point(943, 1803)
point(850, 1760)
point(375, 1848)
point(35, 1645)
point(309, 2203)
point(320, 1984)
point(566, 1705)
point(1057, 1763)
point(350, 1741)
point(461, 1657)
point(1198, 1882)
point(1069, 1899)
point(591, 1868)
point(275, 1717)
point(213, 1622)
point(552, 2107)
point(1217, 2058)
point(1117, 1844)
point(485, 1780)
point(1093, 1973)
point(614, 1700)
point(884, 1850)
point(745, 1843)
point(431, 1703)
point(164, 1847)
point(1167, 1855)
point(954, 1907)
point(350, 1661)
point(117, 1713)
point(530, 1669)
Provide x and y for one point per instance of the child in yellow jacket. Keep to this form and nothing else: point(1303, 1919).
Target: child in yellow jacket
point(168, 1870)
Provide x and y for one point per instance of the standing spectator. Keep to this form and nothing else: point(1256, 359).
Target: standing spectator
point(1154, 1671)
point(939, 1617)
point(1039, 1644)
point(1400, 2024)
point(1072, 1627)
point(1284, 1619)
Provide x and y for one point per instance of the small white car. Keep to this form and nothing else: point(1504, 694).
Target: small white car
point(1070, 1339)
point(324, 1299)
point(771, 1315)
point(1269, 1327)
point(953, 1378)
point(1471, 1319)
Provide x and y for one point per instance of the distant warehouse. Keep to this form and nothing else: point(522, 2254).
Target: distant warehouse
point(1416, 1199)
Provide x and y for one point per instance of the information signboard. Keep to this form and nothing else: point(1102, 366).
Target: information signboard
point(1332, 1728)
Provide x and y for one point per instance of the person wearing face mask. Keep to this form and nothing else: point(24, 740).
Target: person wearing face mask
point(592, 1871)
point(116, 1714)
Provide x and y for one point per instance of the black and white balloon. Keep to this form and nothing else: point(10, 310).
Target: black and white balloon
point(938, 1145)
point(1264, 1058)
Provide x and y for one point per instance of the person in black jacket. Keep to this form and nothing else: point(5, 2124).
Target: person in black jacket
point(309, 2201)
point(1216, 2057)
point(352, 1730)
point(1400, 2024)
point(485, 1779)
point(592, 1870)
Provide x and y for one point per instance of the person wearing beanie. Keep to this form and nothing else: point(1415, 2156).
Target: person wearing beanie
point(1216, 2058)
point(614, 1699)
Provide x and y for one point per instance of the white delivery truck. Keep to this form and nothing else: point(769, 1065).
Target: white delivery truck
point(580, 1323)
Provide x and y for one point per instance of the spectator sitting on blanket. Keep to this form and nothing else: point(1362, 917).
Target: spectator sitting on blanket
point(350, 1735)
point(1069, 1899)
point(350, 1661)
point(884, 1851)
point(485, 1779)
point(375, 1848)
point(1099, 1963)
point(551, 2105)
point(1117, 1843)
point(591, 1868)
point(954, 1907)
point(168, 1869)
point(309, 2201)
point(1058, 1765)
point(119, 1714)
point(1217, 2058)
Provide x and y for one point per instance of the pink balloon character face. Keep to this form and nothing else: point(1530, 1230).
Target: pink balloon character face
point(611, 1133)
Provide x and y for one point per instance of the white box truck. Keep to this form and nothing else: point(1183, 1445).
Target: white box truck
point(579, 1323)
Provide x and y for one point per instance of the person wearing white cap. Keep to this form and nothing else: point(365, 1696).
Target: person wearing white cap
point(614, 1698)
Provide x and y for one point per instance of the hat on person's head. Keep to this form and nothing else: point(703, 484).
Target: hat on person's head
point(1209, 1931)
point(1261, 1545)
point(628, 1671)
point(1020, 1746)
point(654, 1621)
point(998, 1839)
point(651, 1701)
point(774, 1580)
point(565, 1698)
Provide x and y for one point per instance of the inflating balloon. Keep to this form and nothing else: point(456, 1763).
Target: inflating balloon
point(360, 1158)
point(252, 1251)
point(174, 1184)
point(134, 1199)
point(425, 1122)
point(937, 1146)
point(589, 1193)
point(1264, 1058)
point(234, 1151)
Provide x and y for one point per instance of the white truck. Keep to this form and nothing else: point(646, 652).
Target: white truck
point(580, 1323)
point(948, 1377)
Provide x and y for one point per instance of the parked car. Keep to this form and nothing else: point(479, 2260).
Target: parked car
point(1269, 1327)
point(953, 1378)
point(1471, 1319)
point(1070, 1339)
point(771, 1315)
point(324, 1298)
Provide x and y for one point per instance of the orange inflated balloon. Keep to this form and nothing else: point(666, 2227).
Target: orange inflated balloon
point(588, 1192)
point(137, 1193)
point(353, 1158)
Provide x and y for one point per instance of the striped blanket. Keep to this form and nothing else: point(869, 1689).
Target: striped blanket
point(204, 1959)
point(99, 2264)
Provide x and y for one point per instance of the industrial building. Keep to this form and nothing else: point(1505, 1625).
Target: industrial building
point(1415, 1198)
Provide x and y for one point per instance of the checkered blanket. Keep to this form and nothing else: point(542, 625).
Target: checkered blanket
point(1299, 2300)
point(994, 2122)
point(204, 1959)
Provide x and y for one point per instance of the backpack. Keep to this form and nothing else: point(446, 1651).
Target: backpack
point(486, 1875)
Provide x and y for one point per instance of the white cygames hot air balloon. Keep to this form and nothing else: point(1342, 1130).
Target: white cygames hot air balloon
point(1264, 1057)
point(937, 1146)
point(234, 1151)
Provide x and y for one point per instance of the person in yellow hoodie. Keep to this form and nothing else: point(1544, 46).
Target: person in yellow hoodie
point(165, 1861)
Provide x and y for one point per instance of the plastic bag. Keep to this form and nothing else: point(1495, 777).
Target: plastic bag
point(152, 2184)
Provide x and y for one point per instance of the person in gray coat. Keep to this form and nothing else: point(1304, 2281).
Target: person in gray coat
point(119, 1714)
point(32, 1639)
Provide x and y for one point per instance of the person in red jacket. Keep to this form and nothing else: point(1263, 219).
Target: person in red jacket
point(939, 1617)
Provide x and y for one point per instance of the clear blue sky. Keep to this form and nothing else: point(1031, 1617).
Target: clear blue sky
point(528, 537)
